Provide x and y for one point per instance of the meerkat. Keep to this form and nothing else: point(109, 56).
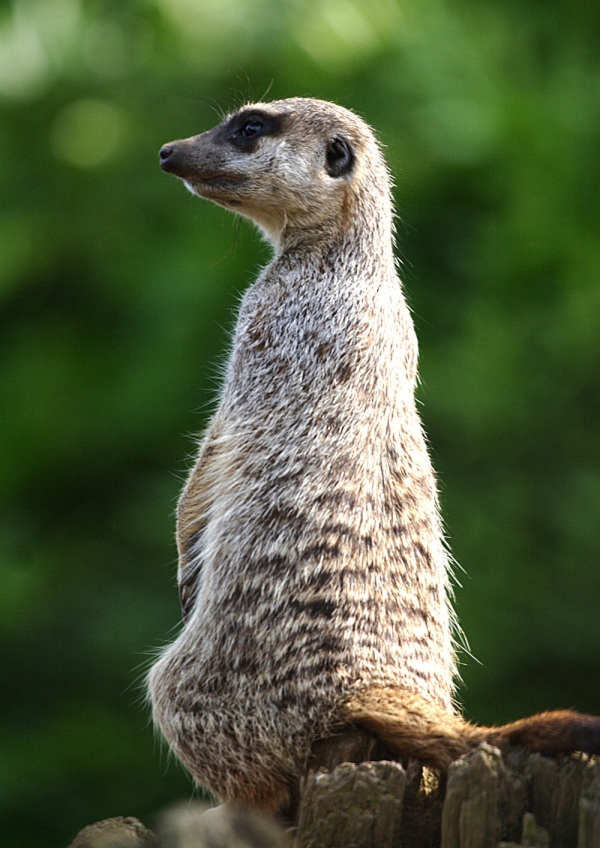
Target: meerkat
point(313, 574)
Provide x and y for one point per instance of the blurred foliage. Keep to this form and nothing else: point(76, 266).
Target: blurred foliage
point(118, 292)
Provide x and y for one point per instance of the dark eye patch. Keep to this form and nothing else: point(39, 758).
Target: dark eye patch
point(246, 128)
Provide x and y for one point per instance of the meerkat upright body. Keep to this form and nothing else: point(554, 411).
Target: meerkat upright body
point(311, 560)
point(313, 576)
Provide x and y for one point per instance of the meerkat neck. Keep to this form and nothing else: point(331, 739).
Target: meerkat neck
point(364, 233)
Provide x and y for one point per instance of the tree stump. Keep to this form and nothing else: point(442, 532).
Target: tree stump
point(355, 796)
point(489, 801)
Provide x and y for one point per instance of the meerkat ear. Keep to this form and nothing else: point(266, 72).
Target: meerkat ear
point(339, 157)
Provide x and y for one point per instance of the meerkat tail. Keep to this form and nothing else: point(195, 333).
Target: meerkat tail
point(414, 727)
point(411, 725)
point(556, 732)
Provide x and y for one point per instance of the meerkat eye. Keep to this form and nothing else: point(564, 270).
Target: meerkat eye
point(251, 128)
point(339, 156)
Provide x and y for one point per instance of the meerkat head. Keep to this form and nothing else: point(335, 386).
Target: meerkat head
point(293, 166)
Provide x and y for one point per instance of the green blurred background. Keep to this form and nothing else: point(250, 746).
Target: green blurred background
point(118, 292)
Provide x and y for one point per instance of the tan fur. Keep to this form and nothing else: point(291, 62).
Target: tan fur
point(313, 575)
point(414, 727)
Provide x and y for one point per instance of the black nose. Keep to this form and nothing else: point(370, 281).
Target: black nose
point(166, 156)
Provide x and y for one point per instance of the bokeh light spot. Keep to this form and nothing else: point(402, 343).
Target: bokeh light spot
point(87, 133)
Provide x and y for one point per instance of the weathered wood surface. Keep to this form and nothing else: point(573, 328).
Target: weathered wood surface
point(353, 805)
point(519, 800)
point(119, 832)
point(489, 801)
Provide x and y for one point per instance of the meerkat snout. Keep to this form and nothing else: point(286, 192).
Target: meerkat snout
point(166, 156)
